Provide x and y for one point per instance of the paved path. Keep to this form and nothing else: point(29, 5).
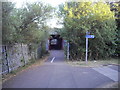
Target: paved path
point(108, 72)
point(55, 73)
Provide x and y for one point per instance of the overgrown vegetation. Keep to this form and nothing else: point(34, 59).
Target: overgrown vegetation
point(26, 24)
point(95, 18)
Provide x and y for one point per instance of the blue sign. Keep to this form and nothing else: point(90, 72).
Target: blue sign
point(89, 36)
point(65, 41)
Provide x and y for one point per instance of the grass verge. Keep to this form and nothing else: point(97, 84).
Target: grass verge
point(94, 63)
point(32, 64)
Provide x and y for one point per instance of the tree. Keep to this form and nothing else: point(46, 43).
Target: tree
point(115, 7)
point(32, 18)
point(26, 25)
point(96, 18)
point(7, 29)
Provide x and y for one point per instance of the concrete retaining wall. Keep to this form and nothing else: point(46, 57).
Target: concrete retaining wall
point(15, 56)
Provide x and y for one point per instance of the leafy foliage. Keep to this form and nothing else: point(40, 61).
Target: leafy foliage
point(26, 24)
point(8, 30)
point(115, 7)
point(97, 19)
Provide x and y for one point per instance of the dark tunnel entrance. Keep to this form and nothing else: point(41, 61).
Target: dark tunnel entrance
point(55, 42)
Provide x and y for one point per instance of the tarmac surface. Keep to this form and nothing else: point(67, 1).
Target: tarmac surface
point(55, 73)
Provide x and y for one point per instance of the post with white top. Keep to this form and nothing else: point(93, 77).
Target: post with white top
point(66, 44)
point(68, 51)
point(86, 50)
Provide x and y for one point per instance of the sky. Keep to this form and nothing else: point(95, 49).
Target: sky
point(54, 3)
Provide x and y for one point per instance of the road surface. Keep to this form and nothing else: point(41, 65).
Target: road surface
point(55, 73)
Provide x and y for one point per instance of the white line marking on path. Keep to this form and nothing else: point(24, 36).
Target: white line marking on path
point(110, 73)
point(52, 59)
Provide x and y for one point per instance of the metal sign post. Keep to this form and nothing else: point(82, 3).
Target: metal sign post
point(68, 50)
point(87, 36)
point(86, 50)
point(67, 45)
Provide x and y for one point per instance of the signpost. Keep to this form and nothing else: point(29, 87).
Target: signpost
point(87, 36)
point(68, 50)
point(86, 49)
point(66, 44)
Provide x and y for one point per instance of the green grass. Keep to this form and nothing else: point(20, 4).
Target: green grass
point(93, 63)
